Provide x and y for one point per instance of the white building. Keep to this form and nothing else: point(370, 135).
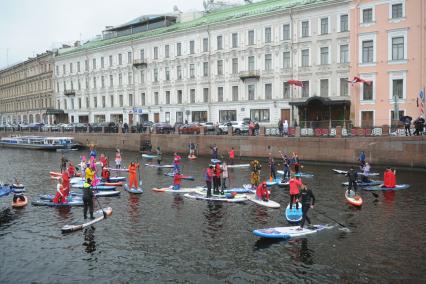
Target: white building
point(224, 65)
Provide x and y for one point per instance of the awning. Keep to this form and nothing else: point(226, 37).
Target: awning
point(51, 111)
point(324, 101)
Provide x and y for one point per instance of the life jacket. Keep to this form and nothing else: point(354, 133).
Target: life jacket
point(294, 186)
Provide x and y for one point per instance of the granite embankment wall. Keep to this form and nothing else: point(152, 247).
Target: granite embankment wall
point(388, 150)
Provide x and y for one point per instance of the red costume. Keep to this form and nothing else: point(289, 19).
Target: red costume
point(66, 183)
point(133, 181)
point(262, 191)
point(217, 170)
point(177, 179)
point(60, 196)
point(389, 179)
point(232, 154)
point(105, 174)
point(71, 171)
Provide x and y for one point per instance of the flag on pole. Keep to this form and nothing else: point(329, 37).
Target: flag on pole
point(421, 105)
point(359, 80)
point(296, 83)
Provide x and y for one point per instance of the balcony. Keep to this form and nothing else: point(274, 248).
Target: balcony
point(254, 74)
point(69, 93)
point(139, 63)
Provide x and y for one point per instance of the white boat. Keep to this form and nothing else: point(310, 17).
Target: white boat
point(38, 142)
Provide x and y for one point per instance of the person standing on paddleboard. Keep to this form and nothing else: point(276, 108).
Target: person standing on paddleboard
point(208, 176)
point(133, 181)
point(176, 162)
point(389, 178)
point(177, 179)
point(117, 159)
point(307, 198)
point(231, 156)
point(352, 178)
point(286, 166)
point(71, 169)
point(296, 163)
point(88, 199)
point(159, 156)
point(295, 184)
point(224, 174)
point(216, 179)
point(271, 163)
point(361, 159)
point(214, 152)
point(63, 163)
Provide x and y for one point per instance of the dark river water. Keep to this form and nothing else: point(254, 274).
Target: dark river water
point(160, 237)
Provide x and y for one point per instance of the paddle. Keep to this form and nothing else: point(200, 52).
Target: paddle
point(139, 173)
point(334, 220)
point(103, 212)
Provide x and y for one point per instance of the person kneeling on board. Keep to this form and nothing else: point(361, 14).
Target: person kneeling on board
point(306, 196)
point(177, 178)
point(88, 199)
point(352, 178)
point(262, 192)
point(389, 178)
point(133, 181)
point(105, 174)
point(60, 196)
point(295, 184)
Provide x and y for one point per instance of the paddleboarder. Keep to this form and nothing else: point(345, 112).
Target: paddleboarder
point(133, 181)
point(271, 163)
point(216, 179)
point(295, 184)
point(225, 174)
point(63, 163)
point(307, 198)
point(208, 177)
point(159, 155)
point(176, 162)
point(262, 192)
point(177, 179)
point(352, 178)
point(117, 159)
point(71, 169)
point(286, 166)
point(231, 156)
point(389, 178)
point(88, 199)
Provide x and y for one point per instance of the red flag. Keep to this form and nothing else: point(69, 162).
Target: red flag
point(295, 82)
point(359, 80)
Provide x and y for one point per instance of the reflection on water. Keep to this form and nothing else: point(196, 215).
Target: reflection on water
point(159, 238)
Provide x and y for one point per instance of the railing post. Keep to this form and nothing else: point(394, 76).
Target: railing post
point(338, 131)
point(297, 131)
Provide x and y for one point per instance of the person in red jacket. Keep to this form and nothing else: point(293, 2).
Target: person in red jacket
point(262, 192)
point(133, 180)
point(66, 183)
point(208, 177)
point(295, 185)
point(105, 174)
point(60, 194)
point(389, 178)
point(231, 156)
point(177, 178)
point(216, 180)
point(71, 169)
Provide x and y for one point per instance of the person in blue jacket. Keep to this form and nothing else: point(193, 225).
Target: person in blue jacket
point(362, 158)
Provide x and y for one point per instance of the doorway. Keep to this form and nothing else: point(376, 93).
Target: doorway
point(285, 115)
point(156, 117)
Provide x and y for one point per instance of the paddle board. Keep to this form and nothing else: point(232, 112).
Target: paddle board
point(289, 232)
point(79, 195)
point(300, 174)
point(171, 190)
point(20, 203)
point(5, 190)
point(215, 161)
point(377, 188)
point(359, 173)
point(192, 157)
point(221, 198)
point(238, 190)
point(75, 202)
point(118, 170)
point(269, 203)
point(99, 216)
point(98, 187)
point(59, 174)
point(149, 156)
point(294, 215)
point(355, 200)
point(133, 190)
point(160, 166)
point(273, 182)
point(182, 177)
point(362, 184)
point(238, 166)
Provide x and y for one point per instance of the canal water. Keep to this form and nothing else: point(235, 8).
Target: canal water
point(160, 237)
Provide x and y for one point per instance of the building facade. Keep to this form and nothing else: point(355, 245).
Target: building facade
point(26, 91)
point(388, 52)
point(228, 64)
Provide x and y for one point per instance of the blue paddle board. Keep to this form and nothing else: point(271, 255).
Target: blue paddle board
point(133, 190)
point(289, 232)
point(294, 215)
point(380, 188)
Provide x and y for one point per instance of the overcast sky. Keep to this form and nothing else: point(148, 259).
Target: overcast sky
point(28, 27)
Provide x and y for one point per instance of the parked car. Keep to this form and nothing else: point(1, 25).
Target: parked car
point(238, 127)
point(35, 126)
point(193, 128)
point(178, 125)
point(162, 128)
point(50, 127)
point(209, 126)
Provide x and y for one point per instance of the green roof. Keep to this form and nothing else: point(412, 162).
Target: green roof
point(218, 16)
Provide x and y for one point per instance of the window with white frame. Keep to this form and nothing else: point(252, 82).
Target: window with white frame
point(142, 75)
point(397, 85)
point(234, 65)
point(305, 58)
point(167, 73)
point(268, 34)
point(205, 44)
point(206, 95)
point(179, 97)
point(191, 47)
point(324, 55)
point(155, 74)
point(344, 53)
point(286, 59)
point(344, 87)
point(102, 62)
point(178, 49)
point(251, 37)
point(192, 96)
point(111, 81)
point(94, 63)
point(251, 92)
point(268, 62)
point(156, 99)
point(167, 97)
point(251, 63)
point(111, 100)
point(286, 90)
point(367, 15)
point(368, 51)
point(234, 40)
point(129, 57)
point(286, 32)
point(397, 45)
point(205, 69)
point(130, 99)
point(179, 72)
point(324, 87)
point(220, 67)
point(155, 52)
point(367, 91)
point(268, 91)
point(397, 88)
point(220, 94)
point(109, 61)
point(398, 48)
point(143, 98)
point(120, 59)
point(234, 93)
point(305, 89)
point(191, 70)
point(142, 54)
point(344, 23)
point(219, 41)
point(305, 29)
point(324, 25)
point(260, 115)
point(167, 51)
point(397, 10)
